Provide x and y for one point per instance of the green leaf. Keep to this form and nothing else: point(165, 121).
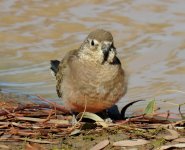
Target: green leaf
point(150, 108)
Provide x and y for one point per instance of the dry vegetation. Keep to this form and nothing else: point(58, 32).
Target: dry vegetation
point(47, 125)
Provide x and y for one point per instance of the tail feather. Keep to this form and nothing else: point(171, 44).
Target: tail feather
point(54, 66)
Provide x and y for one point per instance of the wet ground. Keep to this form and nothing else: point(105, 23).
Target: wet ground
point(149, 36)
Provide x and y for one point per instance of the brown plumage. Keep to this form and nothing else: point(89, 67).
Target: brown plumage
point(90, 76)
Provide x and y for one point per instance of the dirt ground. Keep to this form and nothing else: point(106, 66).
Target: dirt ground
point(89, 138)
point(22, 129)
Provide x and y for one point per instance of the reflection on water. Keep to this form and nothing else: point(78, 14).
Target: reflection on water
point(149, 36)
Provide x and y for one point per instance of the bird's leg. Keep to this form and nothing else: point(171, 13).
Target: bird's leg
point(74, 121)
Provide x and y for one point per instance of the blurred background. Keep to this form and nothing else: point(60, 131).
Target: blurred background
point(149, 37)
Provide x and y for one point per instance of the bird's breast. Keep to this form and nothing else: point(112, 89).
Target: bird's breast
point(93, 79)
point(95, 85)
point(94, 72)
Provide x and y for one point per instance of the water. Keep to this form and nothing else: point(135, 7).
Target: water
point(149, 36)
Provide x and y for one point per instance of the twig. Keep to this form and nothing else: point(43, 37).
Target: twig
point(22, 107)
point(31, 106)
point(131, 119)
point(37, 141)
point(49, 116)
point(84, 110)
point(54, 121)
point(55, 106)
point(77, 123)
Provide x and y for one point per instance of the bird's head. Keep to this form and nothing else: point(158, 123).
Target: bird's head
point(98, 47)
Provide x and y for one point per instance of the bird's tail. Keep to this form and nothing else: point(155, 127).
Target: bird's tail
point(54, 66)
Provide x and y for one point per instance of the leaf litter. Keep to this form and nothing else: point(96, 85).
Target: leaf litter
point(48, 123)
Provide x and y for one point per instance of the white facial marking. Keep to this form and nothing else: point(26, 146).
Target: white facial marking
point(95, 42)
point(107, 42)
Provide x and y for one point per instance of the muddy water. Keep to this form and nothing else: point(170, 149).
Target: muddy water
point(149, 36)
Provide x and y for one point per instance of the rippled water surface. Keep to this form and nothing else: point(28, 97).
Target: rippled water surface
point(149, 36)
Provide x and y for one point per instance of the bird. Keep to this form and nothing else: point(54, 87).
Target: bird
point(91, 77)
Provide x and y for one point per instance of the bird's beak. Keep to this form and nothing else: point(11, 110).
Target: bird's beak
point(106, 49)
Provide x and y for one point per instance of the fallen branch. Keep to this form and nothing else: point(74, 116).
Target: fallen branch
point(53, 121)
point(32, 106)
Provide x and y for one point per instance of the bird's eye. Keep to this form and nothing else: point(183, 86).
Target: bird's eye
point(92, 42)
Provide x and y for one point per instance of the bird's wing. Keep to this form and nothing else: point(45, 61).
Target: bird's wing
point(54, 66)
point(61, 70)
